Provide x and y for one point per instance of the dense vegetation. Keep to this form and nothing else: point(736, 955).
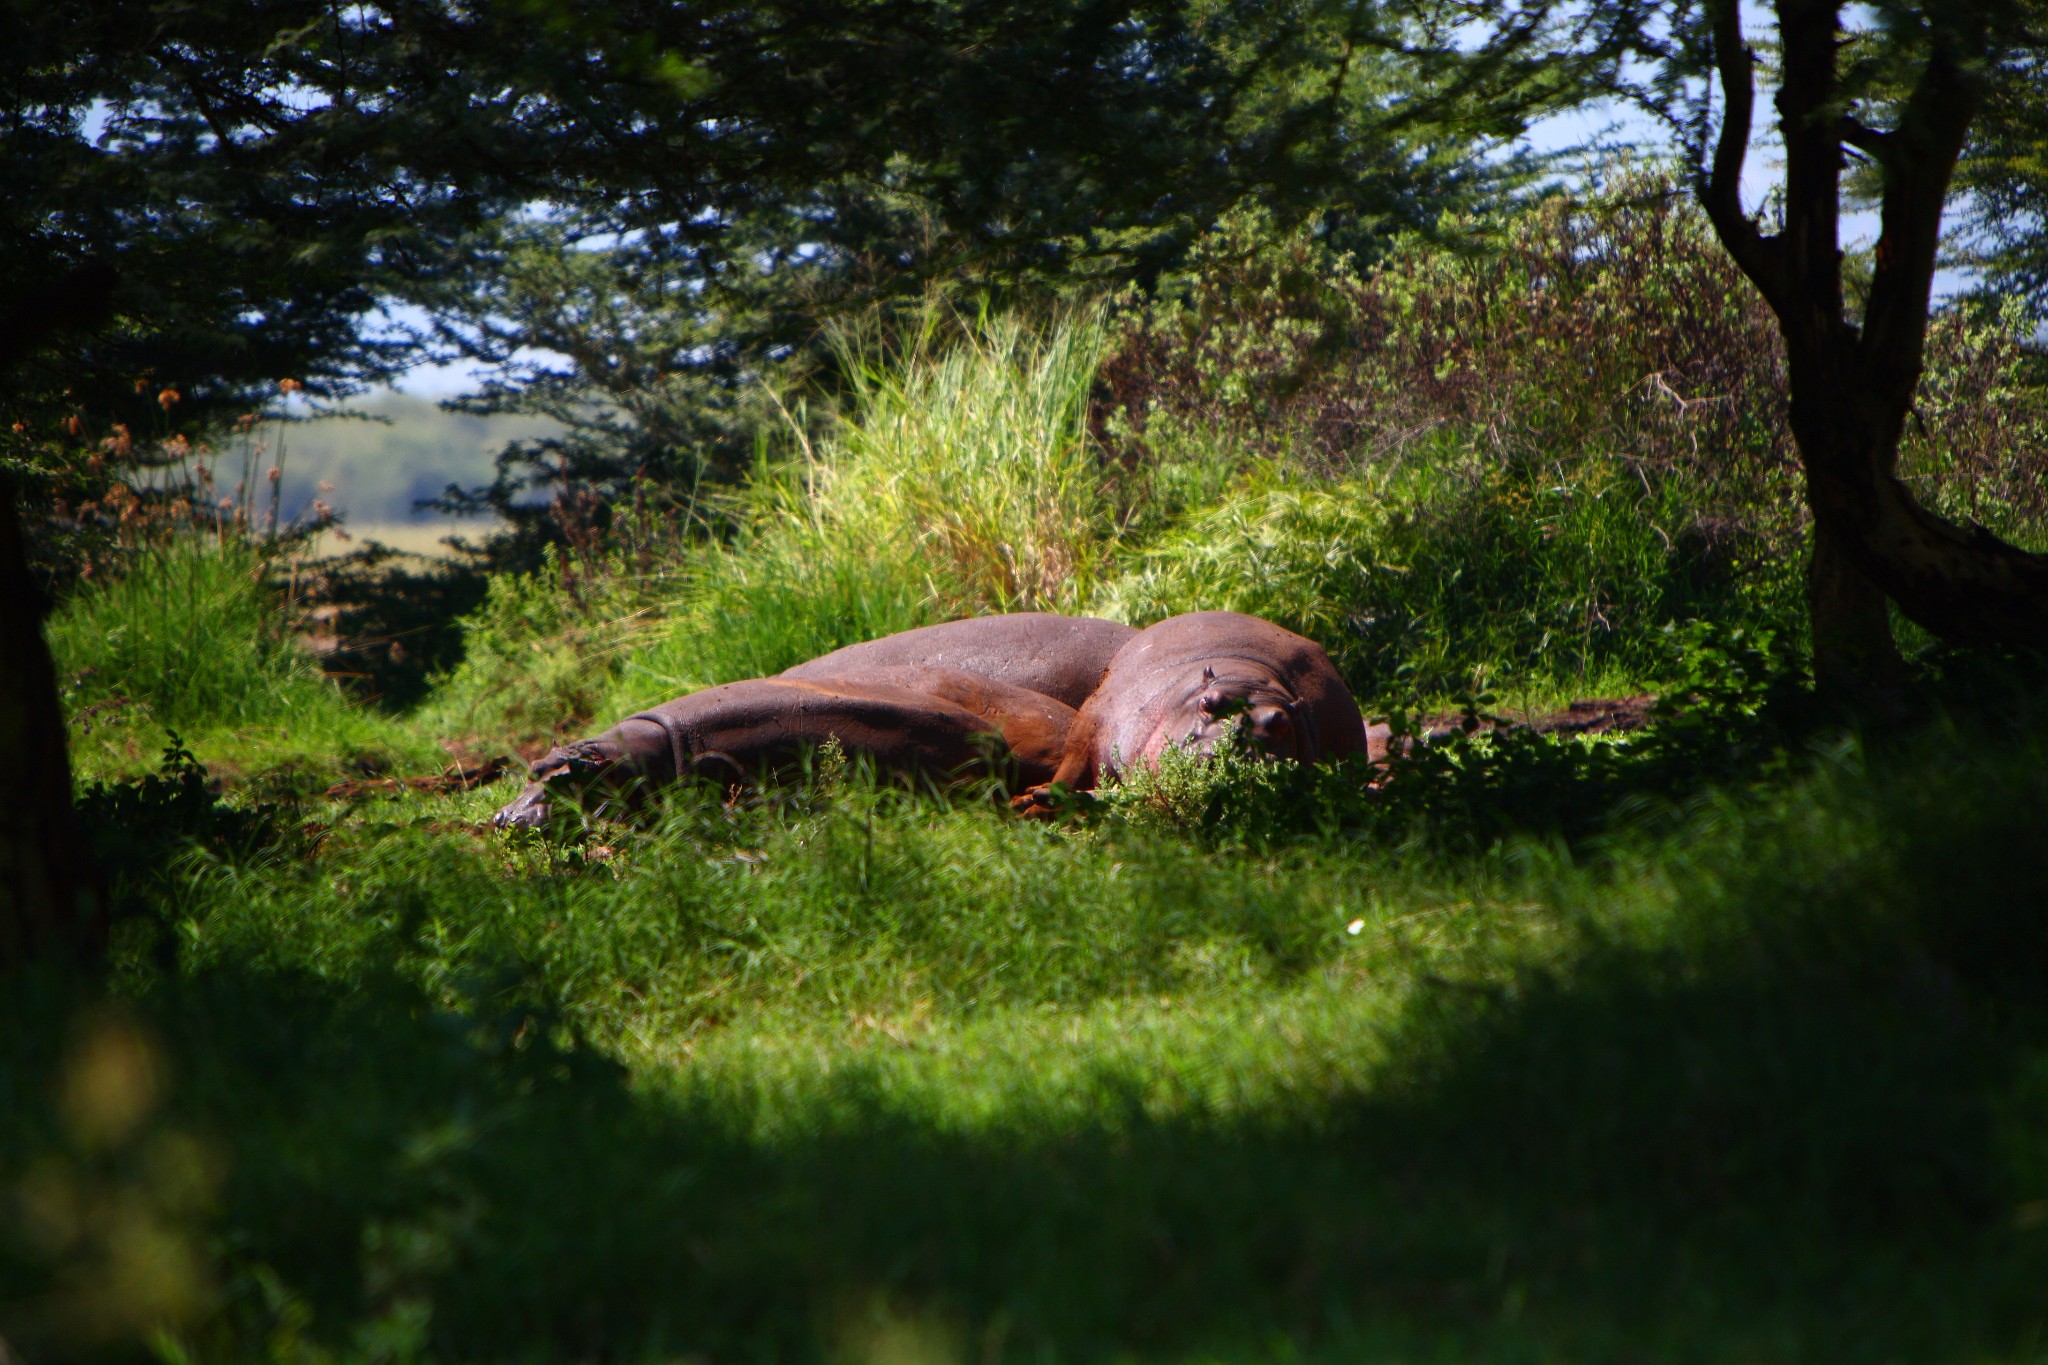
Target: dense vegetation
point(1722, 1040)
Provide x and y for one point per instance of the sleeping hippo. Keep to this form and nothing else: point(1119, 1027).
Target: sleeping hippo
point(1063, 657)
point(1186, 681)
point(937, 723)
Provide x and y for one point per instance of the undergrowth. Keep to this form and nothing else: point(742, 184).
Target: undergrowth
point(1717, 1040)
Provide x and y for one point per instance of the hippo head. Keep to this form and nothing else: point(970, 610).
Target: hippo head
point(1206, 706)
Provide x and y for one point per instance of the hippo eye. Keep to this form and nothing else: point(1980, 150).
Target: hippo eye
point(1217, 706)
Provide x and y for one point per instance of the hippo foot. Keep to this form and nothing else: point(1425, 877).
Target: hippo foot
point(1052, 801)
point(529, 811)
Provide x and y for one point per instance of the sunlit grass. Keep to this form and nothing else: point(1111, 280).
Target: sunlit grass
point(1755, 1087)
point(191, 639)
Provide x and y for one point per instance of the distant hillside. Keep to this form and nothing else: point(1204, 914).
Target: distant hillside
point(380, 469)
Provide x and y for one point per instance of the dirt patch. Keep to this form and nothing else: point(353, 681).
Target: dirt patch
point(1597, 716)
point(457, 777)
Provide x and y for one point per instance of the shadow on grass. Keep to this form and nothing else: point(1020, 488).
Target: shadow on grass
point(1779, 1094)
point(1729, 1161)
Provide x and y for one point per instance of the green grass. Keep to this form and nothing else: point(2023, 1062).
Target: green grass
point(962, 482)
point(1723, 1044)
point(854, 1075)
point(191, 640)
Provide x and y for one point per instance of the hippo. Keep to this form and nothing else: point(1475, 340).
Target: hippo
point(1186, 681)
point(940, 724)
point(1061, 656)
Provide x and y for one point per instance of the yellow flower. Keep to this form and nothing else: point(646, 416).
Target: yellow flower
point(168, 397)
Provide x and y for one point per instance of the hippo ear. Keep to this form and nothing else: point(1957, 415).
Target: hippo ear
point(1208, 675)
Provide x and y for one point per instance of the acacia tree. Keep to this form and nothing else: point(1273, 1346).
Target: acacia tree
point(1900, 86)
point(1852, 382)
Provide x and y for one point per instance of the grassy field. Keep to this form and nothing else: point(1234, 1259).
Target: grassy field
point(1722, 1042)
point(852, 1074)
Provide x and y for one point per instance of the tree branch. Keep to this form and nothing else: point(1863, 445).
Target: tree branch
point(1882, 147)
point(1720, 189)
point(1923, 152)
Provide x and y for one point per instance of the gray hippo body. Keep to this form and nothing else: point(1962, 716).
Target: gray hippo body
point(935, 724)
point(1186, 682)
point(1063, 657)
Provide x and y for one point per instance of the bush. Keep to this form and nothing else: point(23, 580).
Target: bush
point(539, 656)
point(1439, 578)
point(1514, 457)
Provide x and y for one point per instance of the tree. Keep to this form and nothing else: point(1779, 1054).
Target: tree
point(1900, 87)
point(1852, 383)
point(1017, 148)
point(2004, 177)
point(51, 900)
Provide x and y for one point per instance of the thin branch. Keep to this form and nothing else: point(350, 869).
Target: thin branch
point(1720, 189)
point(1882, 147)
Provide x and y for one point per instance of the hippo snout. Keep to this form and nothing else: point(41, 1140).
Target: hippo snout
point(1272, 730)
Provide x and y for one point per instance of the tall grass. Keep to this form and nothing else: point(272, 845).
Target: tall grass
point(977, 452)
point(191, 630)
point(962, 482)
point(191, 636)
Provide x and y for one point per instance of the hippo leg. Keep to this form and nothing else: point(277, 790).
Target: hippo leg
point(581, 769)
point(530, 810)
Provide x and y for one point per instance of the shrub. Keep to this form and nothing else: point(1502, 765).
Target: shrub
point(1977, 447)
point(1430, 579)
point(1517, 457)
point(540, 653)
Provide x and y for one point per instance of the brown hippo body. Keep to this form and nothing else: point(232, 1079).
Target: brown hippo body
point(1184, 682)
point(1063, 657)
point(936, 723)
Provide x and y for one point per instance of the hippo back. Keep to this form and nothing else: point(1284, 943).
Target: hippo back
point(1034, 726)
point(1062, 657)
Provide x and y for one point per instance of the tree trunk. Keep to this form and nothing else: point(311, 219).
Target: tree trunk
point(51, 901)
point(1963, 585)
point(1854, 655)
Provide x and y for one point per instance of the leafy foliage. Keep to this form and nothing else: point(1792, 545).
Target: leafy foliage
point(139, 827)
